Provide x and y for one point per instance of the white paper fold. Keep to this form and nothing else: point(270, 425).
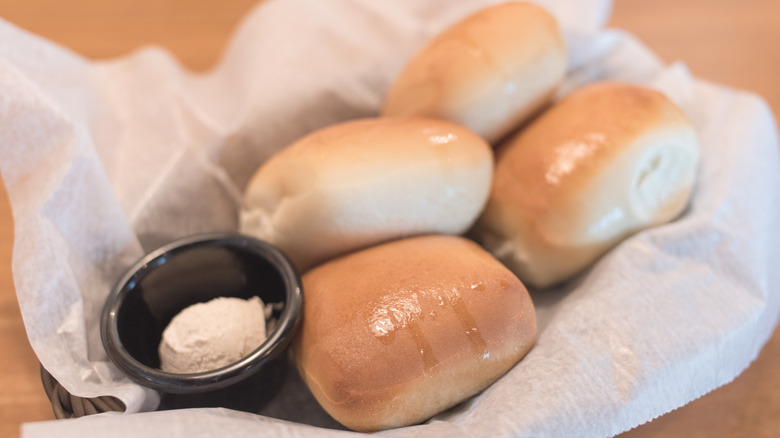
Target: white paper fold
point(104, 161)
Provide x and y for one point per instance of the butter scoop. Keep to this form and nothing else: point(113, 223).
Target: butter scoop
point(211, 335)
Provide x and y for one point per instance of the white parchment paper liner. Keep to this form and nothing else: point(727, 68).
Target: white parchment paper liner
point(104, 161)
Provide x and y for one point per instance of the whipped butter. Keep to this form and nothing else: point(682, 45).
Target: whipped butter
point(211, 335)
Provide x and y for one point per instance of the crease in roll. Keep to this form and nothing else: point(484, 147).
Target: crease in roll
point(607, 161)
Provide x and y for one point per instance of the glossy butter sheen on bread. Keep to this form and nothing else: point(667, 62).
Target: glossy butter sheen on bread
point(605, 162)
point(397, 333)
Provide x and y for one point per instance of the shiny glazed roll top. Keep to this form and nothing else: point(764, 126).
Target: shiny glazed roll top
point(607, 161)
point(359, 183)
point(397, 333)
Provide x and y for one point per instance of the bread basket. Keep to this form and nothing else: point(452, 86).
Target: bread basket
point(66, 405)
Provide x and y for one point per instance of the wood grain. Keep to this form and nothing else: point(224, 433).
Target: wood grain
point(724, 41)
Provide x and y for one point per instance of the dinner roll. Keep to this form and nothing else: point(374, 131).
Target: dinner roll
point(362, 182)
point(607, 161)
point(488, 72)
point(397, 333)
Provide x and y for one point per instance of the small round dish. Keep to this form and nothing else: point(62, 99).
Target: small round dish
point(193, 270)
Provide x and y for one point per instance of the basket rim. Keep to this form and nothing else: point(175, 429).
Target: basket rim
point(66, 405)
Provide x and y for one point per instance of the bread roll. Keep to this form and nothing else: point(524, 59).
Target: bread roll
point(394, 334)
point(607, 161)
point(488, 72)
point(362, 182)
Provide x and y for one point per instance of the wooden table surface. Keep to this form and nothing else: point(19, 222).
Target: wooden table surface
point(735, 43)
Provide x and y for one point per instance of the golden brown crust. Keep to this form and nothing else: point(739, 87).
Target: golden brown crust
point(488, 72)
point(397, 333)
point(373, 143)
point(578, 179)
